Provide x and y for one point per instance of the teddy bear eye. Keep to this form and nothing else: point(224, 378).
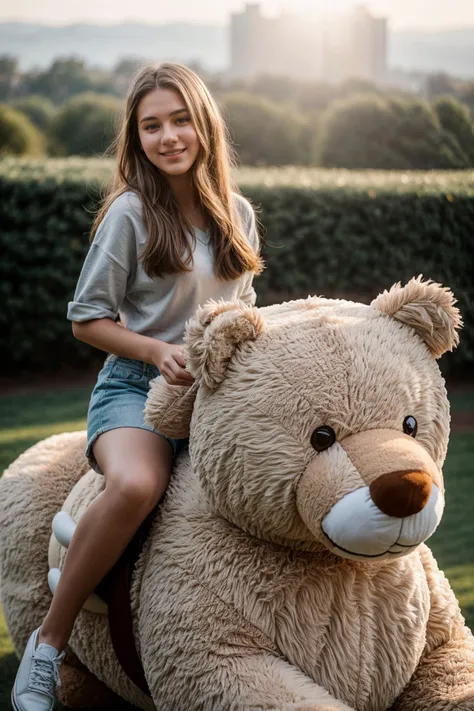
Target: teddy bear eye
point(410, 426)
point(322, 438)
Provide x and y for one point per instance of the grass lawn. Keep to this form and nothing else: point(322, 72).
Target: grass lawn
point(34, 417)
point(25, 419)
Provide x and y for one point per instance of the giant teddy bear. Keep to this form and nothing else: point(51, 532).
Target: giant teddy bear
point(286, 567)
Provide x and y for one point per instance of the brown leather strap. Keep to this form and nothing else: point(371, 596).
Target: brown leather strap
point(115, 591)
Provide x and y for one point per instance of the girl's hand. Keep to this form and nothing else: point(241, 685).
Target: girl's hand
point(169, 359)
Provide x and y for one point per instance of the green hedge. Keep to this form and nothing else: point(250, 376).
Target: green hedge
point(347, 234)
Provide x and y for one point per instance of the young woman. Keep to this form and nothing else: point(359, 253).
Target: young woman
point(172, 233)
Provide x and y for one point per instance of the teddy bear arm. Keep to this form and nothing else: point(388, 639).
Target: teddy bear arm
point(444, 678)
point(263, 681)
point(169, 407)
point(252, 681)
point(215, 657)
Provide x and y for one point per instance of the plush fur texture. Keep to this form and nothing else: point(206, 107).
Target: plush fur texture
point(240, 599)
point(214, 333)
point(428, 308)
point(171, 408)
point(34, 488)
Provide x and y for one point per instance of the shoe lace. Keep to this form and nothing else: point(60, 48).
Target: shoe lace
point(45, 673)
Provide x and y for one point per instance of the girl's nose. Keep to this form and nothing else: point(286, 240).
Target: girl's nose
point(169, 135)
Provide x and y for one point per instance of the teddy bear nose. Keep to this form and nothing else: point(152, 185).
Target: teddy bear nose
point(401, 494)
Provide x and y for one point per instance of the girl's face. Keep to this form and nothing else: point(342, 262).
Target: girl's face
point(166, 132)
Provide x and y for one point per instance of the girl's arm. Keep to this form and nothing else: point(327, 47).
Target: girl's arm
point(109, 266)
point(249, 223)
point(107, 335)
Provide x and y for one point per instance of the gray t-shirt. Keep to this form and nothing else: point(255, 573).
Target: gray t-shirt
point(113, 281)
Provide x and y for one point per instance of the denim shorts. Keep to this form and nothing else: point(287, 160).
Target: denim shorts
point(118, 400)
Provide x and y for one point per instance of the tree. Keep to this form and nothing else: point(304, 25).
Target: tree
point(421, 139)
point(357, 133)
point(466, 95)
point(314, 97)
point(370, 131)
point(439, 84)
point(39, 110)
point(276, 88)
point(18, 136)
point(121, 76)
point(128, 66)
point(354, 85)
point(456, 120)
point(65, 77)
point(8, 75)
point(266, 133)
point(85, 125)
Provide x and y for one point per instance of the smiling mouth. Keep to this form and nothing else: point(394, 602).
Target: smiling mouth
point(391, 550)
point(170, 154)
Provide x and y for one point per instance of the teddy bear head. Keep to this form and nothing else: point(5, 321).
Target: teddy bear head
point(320, 424)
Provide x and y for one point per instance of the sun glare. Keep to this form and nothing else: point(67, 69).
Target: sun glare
point(335, 7)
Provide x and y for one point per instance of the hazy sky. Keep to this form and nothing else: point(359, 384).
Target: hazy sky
point(430, 14)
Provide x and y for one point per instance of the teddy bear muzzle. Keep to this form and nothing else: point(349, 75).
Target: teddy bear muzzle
point(375, 495)
point(356, 527)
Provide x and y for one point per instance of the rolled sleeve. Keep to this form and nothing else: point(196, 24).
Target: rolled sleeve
point(100, 289)
point(252, 230)
point(109, 264)
point(248, 294)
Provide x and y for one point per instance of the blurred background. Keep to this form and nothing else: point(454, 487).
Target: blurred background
point(353, 130)
point(306, 71)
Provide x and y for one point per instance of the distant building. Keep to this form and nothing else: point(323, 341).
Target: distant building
point(329, 48)
point(246, 31)
point(369, 45)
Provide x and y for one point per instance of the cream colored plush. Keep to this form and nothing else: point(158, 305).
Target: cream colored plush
point(271, 579)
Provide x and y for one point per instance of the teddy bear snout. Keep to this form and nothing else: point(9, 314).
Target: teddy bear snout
point(401, 494)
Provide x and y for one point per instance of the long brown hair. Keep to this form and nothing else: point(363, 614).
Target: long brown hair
point(167, 248)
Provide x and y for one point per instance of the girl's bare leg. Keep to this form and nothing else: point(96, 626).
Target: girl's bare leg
point(136, 465)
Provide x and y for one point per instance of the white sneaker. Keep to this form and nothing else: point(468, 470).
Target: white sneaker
point(37, 677)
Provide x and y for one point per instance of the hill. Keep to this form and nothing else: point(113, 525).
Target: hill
point(450, 50)
point(103, 45)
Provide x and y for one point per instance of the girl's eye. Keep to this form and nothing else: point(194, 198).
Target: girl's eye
point(151, 126)
point(182, 119)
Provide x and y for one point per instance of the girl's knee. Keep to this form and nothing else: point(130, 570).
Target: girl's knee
point(139, 491)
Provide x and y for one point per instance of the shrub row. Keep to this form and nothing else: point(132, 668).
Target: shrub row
point(372, 129)
point(333, 238)
point(99, 170)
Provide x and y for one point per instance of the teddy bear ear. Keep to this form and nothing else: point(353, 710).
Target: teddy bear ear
point(214, 333)
point(428, 308)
